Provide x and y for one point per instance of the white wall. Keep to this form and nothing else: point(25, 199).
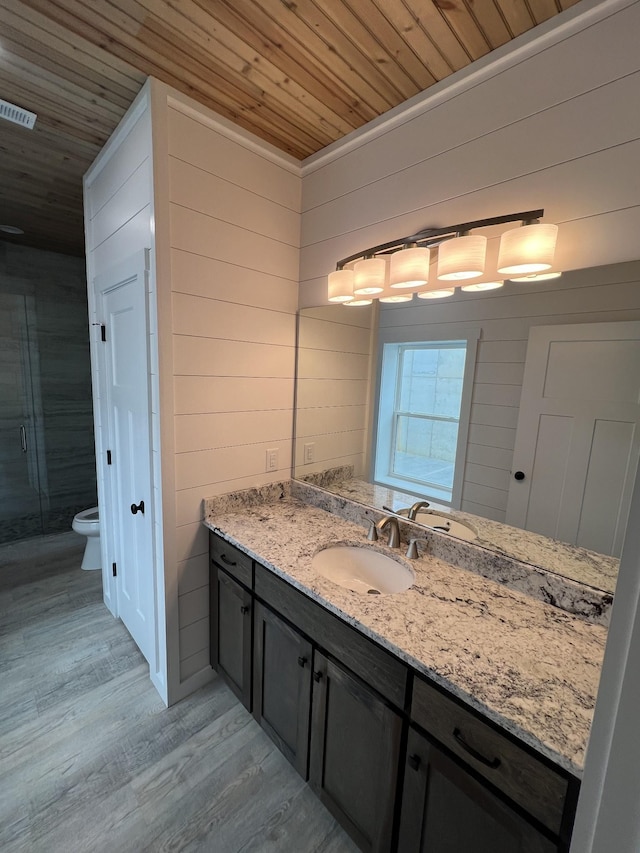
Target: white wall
point(228, 363)
point(546, 125)
point(119, 222)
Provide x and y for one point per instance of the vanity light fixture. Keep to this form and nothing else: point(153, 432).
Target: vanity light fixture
point(409, 267)
point(462, 258)
point(528, 249)
point(402, 265)
point(370, 275)
point(536, 276)
point(341, 286)
point(437, 294)
point(482, 285)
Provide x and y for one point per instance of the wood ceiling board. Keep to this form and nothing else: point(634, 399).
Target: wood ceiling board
point(268, 39)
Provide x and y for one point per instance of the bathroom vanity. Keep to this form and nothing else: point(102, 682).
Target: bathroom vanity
point(452, 716)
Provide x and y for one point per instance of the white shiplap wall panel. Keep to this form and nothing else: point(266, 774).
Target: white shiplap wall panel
point(199, 190)
point(331, 392)
point(132, 197)
point(228, 282)
point(211, 394)
point(225, 429)
point(234, 226)
point(197, 143)
point(205, 317)
point(133, 150)
point(211, 357)
point(195, 232)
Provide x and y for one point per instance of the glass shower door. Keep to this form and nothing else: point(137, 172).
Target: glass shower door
point(21, 487)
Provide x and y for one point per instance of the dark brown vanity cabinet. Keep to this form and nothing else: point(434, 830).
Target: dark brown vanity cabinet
point(342, 710)
point(230, 621)
point(355, 747)
point(446, 810)
point(282, 685)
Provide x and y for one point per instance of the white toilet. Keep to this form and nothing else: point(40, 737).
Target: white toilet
point(87, 523)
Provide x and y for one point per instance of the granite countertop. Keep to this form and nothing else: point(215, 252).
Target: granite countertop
point(530, 667)
point(580, 564)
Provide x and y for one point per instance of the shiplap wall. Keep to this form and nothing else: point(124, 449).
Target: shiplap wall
point(119, 212)
point(600, 294)
point(552, 131)
point(234, 234)
point(333, 387)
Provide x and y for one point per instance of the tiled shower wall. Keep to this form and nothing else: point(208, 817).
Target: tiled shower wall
point(55, 287)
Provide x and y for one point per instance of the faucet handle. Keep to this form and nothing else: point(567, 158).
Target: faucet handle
point(412, 551)
point(372, 535)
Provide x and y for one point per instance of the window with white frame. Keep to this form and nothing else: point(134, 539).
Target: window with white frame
point(424, 397)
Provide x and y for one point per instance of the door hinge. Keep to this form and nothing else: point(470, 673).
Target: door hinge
point(103, 332)
point(108, 457)
point(114, 569)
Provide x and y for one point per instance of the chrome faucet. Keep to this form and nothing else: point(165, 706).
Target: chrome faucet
point(412, 551)
point(394, 529)
point(415, 509)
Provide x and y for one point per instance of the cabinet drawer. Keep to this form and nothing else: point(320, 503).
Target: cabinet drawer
point(235, 562)
point(376, 667)
point(513, 770)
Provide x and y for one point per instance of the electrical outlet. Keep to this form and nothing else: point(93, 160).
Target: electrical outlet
point(309, 453)
point(272, 459)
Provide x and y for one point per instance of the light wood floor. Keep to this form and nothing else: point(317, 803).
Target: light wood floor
point(91, 760)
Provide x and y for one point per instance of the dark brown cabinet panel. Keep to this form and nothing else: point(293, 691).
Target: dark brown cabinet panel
point(230, 641)
point(511, 768)
point(282, 685)
point(355, 748)
point(446, 810)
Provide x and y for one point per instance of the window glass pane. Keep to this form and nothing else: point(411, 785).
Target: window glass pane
point(425, 450)
point(431, 380)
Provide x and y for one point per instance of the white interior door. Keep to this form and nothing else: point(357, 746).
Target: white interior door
point(128, 516)
point(578, 435)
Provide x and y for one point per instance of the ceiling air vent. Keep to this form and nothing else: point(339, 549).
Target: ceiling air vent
point(17, 115)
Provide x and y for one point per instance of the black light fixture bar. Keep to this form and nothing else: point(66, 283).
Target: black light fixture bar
point(430, 236)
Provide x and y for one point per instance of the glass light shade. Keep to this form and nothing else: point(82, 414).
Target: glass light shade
point(390, 295)
point(409, 267)
point(437, 294)
point(462, 257)
point(527, 249)
point(340, 286)
point(540, 276)
point(370, 276)
point(357, 302)
point(482, 285)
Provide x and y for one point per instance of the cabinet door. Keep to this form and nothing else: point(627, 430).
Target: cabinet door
point(230, 614)
point(355, 741)
point(446, 810)
point(282, 685)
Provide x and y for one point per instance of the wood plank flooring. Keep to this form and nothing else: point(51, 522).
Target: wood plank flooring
point(91, 760)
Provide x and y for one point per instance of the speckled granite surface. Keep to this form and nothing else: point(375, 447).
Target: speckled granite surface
point(570, 595)
point(530, 667)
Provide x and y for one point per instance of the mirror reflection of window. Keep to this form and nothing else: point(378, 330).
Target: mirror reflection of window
point(419, 413)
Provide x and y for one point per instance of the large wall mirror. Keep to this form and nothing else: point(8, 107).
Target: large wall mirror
point(497, 370)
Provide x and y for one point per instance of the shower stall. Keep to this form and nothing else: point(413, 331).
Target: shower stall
point(47, 463)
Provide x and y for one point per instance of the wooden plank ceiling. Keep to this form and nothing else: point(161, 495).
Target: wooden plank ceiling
point(298, 73)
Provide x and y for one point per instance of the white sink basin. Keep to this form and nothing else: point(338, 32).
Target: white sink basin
point(363, 570)
point(446, 525)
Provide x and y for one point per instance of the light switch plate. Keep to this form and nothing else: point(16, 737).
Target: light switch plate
point(272, 459)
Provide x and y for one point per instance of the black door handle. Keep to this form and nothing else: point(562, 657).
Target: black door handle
point(519, 475)
point(140, 508)
point(317, 676)
point(302, 661)
point(414, 761)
